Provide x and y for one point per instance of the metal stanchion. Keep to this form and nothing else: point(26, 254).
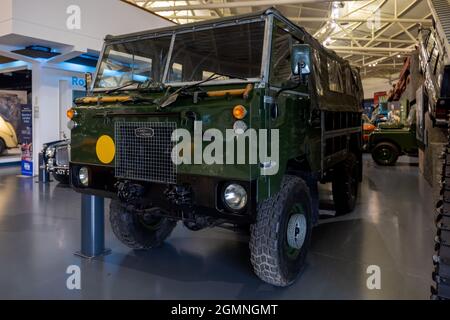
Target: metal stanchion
point(92, 227)
point(44, 176)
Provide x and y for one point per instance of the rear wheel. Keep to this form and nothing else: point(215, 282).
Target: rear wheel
point(345, 185)
point(385, 154)
point(281, 236)
point(138, 231)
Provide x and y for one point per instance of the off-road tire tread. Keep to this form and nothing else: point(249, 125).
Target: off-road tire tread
point(122, 219)
point(397, 154)
point(264, 234)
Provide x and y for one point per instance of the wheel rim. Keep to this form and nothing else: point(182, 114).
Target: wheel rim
point(384, 155)
point(296, 232)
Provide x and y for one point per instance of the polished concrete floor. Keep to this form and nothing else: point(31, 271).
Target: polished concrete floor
point(391, 228)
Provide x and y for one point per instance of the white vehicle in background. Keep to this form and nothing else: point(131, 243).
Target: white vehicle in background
point(8, 137)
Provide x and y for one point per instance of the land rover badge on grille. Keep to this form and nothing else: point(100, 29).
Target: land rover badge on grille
point(144, 133)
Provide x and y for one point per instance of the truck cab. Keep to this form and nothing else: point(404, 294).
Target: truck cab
point(229, 123)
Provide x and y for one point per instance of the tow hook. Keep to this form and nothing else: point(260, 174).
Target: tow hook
point(129, 192)
point(179, 195)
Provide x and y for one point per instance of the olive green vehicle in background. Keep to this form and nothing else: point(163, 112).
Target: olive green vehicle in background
point(257, 71)
point(388, 142)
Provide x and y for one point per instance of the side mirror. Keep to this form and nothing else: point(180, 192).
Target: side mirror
point(301, 59)
point(88, 82)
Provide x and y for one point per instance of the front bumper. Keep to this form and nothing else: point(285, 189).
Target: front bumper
point(204, 197)
point(60, 170)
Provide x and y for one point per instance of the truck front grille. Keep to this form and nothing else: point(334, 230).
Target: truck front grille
point(62, 156)
point(143, 151)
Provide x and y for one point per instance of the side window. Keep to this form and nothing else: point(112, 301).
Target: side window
point(350, 87)
point(318, 71)
point(176, 72)
point(280, 71)
point(335, 78)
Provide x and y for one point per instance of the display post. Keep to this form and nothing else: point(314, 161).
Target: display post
point(92, 227)
point(44, 176)
point(26, 140)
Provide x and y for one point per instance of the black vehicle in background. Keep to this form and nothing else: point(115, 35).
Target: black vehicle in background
point(56, 159)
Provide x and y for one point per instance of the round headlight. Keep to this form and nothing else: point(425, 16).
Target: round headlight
point(72, 125)
point(83, 176)
point(235, 197)
point(50, 152)
point(240, 127)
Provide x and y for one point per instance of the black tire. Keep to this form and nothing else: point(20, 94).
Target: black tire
point(274, 260)
point(131, 229)
point(385, 154)
point(61, 178)
point(2, 146)
point(345, 185)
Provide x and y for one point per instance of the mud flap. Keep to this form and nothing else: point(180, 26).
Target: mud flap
point(312, 183)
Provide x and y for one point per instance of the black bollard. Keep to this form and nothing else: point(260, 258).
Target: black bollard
point(92, 227)
point(44, 176)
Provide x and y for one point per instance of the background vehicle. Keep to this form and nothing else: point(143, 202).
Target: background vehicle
point(56, 159)
point(387, 145)
point(391, 140)
point(368, 128)
point(257, 71)
point(8, 137)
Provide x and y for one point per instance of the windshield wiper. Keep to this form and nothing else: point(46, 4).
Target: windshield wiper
point(174, 96)
point(149, 84)
point(126, 84)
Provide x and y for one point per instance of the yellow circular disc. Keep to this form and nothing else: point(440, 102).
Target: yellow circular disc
point(106, 150)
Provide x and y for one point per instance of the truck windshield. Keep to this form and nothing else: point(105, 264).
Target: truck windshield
point(133, 62)
point(232, 51)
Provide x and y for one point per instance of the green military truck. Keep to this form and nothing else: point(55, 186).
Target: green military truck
point(258, 79)
point(387, 144)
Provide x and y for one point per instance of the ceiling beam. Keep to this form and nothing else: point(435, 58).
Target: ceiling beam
point(317, 19)
point(369, 49)
point(240, 4)
point(388, 40)
point(350, 53)
point(382, 20)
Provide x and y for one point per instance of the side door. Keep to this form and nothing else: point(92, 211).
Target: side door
point(287, 104)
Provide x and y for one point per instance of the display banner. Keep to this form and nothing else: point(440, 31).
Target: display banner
point(10, 107)
point(26, 138)
point(379, 97)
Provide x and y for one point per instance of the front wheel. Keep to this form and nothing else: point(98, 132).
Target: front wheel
point(280, 238)
point(138, 231)
point(61, 178)
point(385, 154)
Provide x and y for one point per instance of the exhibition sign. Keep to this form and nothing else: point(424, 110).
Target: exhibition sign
point(26, 139)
